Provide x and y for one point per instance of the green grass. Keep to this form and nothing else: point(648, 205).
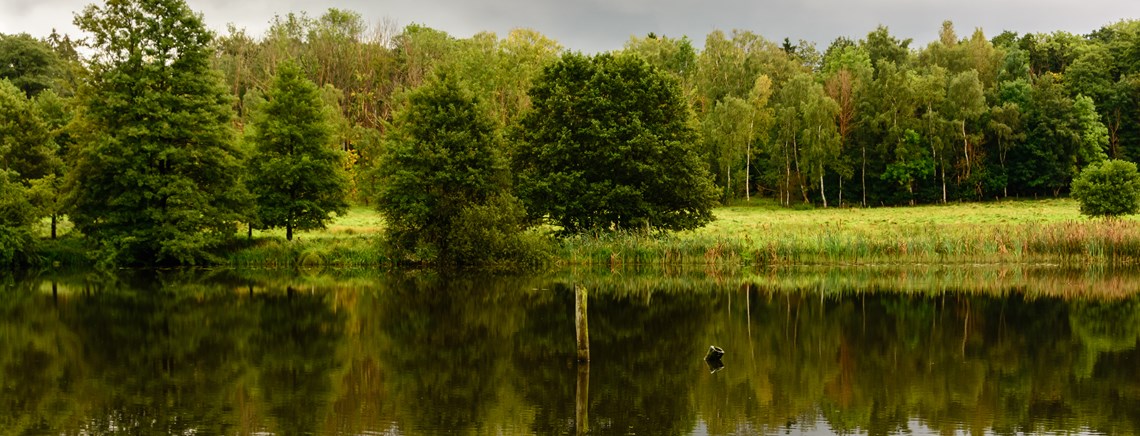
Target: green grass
point(763, 233)
point(351, 239)
point(358, 221)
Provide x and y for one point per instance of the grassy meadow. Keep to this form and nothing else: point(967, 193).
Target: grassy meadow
point(763, 233)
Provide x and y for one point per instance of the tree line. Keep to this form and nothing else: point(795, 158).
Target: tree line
point(155, 141)
point(869, 121)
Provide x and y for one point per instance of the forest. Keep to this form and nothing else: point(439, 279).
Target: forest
point(863, 122)
point(869, 121)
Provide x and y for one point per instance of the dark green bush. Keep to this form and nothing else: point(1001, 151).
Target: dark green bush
point(493, 235)
point(1108, 189)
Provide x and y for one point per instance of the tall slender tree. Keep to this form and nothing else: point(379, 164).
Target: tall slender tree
point(297, 172)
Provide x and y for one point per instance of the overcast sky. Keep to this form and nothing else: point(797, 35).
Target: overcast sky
point(600, 25)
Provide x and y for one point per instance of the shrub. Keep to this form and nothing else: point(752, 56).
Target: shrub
point(493, 235)
point(1108, 189)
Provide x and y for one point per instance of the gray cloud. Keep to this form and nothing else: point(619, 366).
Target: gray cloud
point(598, 25)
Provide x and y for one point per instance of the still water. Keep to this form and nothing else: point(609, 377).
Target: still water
point(871, 350)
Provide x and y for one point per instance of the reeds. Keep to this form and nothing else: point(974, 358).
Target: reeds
point(1070, 242)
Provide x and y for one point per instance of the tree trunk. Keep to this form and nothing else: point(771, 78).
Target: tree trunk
point(943, 165)
point(748, 173)
point(54, 220)
point(799, 172)
point(787, 177)
point(1001, 157)
point(822, 193)
point(728, 184)
point(966, 148)
point(249, 232)
point(288, 230)
point(864, 175)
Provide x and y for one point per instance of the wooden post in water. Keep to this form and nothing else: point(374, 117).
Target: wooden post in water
point(582, 330)
point(582, 399)
point(581, 327)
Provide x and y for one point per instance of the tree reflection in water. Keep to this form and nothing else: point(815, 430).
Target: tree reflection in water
point(892, 351)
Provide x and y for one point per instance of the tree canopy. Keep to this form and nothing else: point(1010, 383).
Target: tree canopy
point(145, 136)
point(297, 175)
point(29, 63)
point(156, 175)
point(610, 144)
point(442, 156)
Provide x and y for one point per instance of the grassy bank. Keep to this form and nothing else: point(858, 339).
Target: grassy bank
point(351, 240)
point(762, 233)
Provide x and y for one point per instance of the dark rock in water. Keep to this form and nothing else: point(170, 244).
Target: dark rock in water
point(714, 365)
point(715, 353)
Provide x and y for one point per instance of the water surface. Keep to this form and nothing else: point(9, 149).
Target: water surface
point(872, 350)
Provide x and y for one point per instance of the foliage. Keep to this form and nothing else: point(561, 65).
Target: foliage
point(29, 63)
point(16, 215)
point(26, 145)
point(296, 174)
point(1108, 189)
point(443, 180)
point(494, 235)
point(156, 175)
point(961, 118)
point(609, 145)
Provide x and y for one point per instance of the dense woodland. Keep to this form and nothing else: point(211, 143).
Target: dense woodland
point(868, 121)
point(863, 122)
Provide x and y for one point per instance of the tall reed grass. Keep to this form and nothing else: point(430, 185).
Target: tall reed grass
point(1071, 242)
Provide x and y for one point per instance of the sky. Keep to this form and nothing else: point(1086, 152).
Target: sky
point(602, 25)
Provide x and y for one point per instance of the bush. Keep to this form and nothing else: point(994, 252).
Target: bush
point(1108, 189)
point(493, 235)
point(442, 156)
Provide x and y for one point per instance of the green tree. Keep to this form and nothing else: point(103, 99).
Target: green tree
point(1006, 124)
point(964, 105)
point(156, 177)
point(847, 71)
point(609, 144)
point(442, 157)
point(29, 63)
point(1108, 189)
point(676, 56)
point(26, 145)
point(30, 131)
point(726, 132)
point(1063, 135)
point(16, 216)
point(297, 174)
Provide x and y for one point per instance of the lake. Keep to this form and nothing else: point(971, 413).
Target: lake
point(862, 350)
